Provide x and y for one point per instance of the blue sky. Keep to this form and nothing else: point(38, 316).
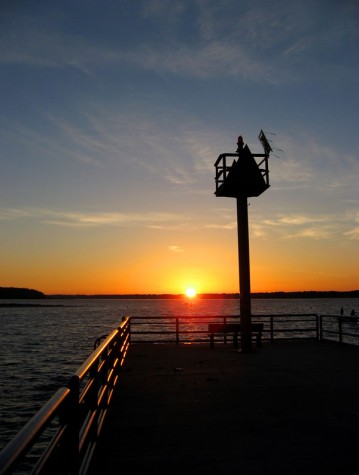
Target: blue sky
point(114, 112)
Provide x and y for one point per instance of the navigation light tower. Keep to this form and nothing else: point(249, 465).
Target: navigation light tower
point(241, 175)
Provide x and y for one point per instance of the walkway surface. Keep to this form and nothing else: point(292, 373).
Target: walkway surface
point(288, 408)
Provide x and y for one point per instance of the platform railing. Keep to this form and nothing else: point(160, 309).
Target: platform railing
point(223, 168)
point(340, 328)
point(61, 437)
point(194, 329)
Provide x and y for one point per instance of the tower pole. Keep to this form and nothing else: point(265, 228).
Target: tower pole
point(244, 273)
point(244, 178)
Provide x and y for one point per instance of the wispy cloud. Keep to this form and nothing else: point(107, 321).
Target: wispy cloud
point(307, 163)
point(175, 248)
point(201, 61)
point(77, 146)
point(289, 36)
point(144, 140)
point(80, 219)
point(335, 227)
point(229, 225)
point(37, 45)
point(318, 232)
point(204, 61)
point(233, 39)
point(298, 226)
point(300, 220)
point(353, 233)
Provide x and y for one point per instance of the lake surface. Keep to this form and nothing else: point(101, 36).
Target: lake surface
point(42, 346)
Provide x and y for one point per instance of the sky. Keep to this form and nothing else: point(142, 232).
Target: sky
point(113, 113)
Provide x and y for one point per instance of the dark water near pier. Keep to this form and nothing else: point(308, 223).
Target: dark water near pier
point(41, 346)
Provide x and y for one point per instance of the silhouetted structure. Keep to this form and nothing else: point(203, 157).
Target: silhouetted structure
point(241, 179)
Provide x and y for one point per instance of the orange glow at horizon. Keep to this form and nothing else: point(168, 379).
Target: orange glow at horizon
point(211, 268)
point(190, 293)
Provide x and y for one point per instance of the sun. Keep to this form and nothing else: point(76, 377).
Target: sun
point(190, 292)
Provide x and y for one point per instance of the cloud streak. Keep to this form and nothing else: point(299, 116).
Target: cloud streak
point(77, 219)
point(144, 141)
point(309, 163)
point(175, 248)
point(233, 40)
point(48, 50)
point(298, 226)
point(37, 45)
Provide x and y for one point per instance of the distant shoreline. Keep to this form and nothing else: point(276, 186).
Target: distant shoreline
point(12, 293)
point(254, 295)
point(21, 305)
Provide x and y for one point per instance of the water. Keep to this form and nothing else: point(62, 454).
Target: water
point(42, 346)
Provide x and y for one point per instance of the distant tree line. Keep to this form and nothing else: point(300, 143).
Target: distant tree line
point(20, 293)
point(23, 293)
point(306, 294)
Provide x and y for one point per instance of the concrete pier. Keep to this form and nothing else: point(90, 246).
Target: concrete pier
point(289, 408)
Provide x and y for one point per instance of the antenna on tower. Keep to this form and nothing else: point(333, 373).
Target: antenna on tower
point(272, 147)
point(265, 143)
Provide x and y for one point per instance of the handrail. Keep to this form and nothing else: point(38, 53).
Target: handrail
point(81, 409)
point(24, 439)
point(94, 357)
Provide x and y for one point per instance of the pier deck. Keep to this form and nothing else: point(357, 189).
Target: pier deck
point(289, 408)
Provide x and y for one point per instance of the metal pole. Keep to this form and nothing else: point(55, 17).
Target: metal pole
point(244, 273)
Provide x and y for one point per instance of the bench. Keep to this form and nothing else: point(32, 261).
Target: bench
point(235, 328)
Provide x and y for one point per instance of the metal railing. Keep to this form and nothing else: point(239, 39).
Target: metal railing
point(194, 329)
point(71, 420)
point(340, 328)
point(223, 168)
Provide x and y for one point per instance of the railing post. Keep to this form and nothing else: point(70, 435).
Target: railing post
point(271, 329)
point(129, 323)
point(70, 445)
point(317, 326)
point(93, 399)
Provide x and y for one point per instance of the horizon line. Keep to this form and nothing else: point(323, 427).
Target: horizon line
point(208, 294)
